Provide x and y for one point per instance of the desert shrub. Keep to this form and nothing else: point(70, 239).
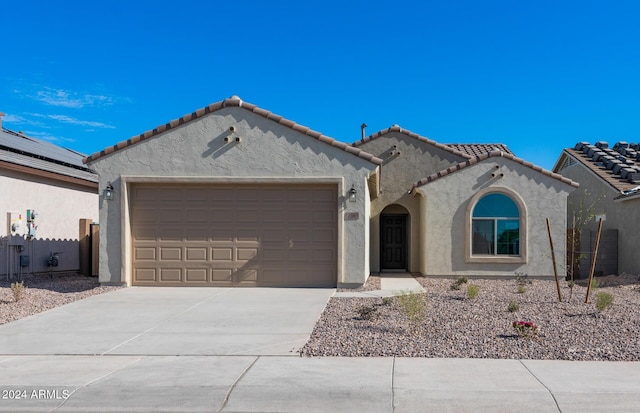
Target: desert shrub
point(472, 290)
point(521, 289)
point(603, 300)
point(595, 283)
point(367, 312)
point(457, 283)
point(522, 279)
point(513, 306)
point(387, 300)
point(18, 290)
point(413, 306)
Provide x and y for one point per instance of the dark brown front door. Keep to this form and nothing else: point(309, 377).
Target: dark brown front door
point(393, 242)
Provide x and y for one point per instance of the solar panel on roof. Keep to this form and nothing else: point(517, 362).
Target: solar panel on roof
point(40, 149)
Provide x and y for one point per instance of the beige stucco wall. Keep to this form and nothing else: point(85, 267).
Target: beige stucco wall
point(268, 152)
point(623, 216)
point(448, 201)
point(59, 205)
point(416, 160)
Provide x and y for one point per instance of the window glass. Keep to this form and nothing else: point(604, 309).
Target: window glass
point(483, 232)
point(496, 205)
point(495, 226)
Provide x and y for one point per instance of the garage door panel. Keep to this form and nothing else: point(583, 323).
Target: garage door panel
point(142, 274)
point(275, 217)
point(244, 254)
point(298, 216)
point(225, 235)
point(322, 217)
point(196, 275)
point(170, 254)
point(247, 216)
point(170, 274)
point(144, 254)
point(323, 235)
point(196, 254)
point(221, 274)
point(222, 254)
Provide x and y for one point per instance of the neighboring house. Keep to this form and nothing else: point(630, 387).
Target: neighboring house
point(462, 209)
point(233, 195)
point(52, 181)
point(610, 189)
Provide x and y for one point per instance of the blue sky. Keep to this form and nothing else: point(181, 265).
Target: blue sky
point(535, 75)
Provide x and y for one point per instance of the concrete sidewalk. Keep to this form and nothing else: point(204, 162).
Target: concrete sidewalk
point(295, 384)
point(390, 284)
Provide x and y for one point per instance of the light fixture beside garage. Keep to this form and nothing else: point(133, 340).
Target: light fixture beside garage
point(108, 192)
point(353, 194)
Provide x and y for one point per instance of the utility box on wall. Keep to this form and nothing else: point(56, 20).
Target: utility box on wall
point(15, 228)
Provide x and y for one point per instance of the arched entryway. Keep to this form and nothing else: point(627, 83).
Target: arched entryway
point(394, 238)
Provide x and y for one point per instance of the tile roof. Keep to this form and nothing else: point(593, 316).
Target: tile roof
point(485, 156)
point(233, 101)
point(19, 149)
point(618, 166)
point(466, 150)
point(476, 149)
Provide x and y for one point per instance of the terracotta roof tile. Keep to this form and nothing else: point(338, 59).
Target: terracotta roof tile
point(233, 101)
point(475, 149)
point(485, 156)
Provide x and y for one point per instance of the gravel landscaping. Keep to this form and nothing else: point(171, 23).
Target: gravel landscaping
point(455, 325)
point(43, 293)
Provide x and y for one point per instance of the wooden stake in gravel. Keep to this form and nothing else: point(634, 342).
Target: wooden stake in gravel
point(553, 260)
point(593, 260)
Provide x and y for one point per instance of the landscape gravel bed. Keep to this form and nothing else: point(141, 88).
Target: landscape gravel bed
point(44, 293)
point(460, 327)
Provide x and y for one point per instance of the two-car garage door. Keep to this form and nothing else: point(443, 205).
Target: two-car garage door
point(234, 235)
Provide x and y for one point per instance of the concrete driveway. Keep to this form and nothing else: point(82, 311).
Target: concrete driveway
point(172, 321)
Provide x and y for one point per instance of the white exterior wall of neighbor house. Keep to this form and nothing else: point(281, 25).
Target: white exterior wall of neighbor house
point(416, 160)
point(447, 200)
point(59, 205)
point(267, 152)
point(623, 216)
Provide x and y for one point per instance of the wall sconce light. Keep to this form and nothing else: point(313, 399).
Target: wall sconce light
point(352, 194)
point(108, 192)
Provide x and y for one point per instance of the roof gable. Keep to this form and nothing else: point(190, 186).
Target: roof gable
point(397, 128)
point(465, 150)
point(233, 101)
point(494, 153)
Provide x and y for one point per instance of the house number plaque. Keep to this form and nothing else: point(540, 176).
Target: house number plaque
point(351, 216)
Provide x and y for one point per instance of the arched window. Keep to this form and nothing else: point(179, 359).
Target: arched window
point(495, 226)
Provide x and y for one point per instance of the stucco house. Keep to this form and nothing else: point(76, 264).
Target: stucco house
point(39, 176)
point(462, 209)
point(234, 195)
point(609, 180)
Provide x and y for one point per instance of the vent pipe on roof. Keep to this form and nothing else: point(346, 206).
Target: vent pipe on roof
point(1, 115)
point(362, 127)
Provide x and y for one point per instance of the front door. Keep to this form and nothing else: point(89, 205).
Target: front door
point(393, 242)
